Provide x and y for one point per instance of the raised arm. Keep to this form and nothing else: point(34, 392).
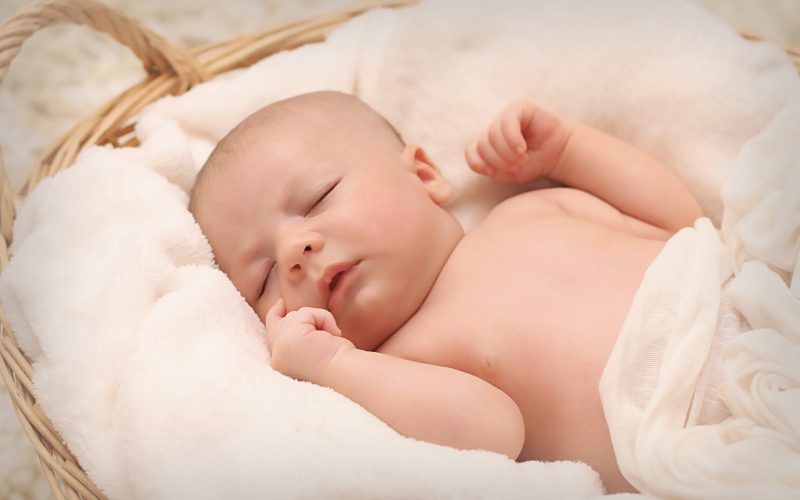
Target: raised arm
point(526, 142)
point(427, 402)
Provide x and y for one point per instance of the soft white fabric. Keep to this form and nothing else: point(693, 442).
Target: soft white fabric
point(151, 365)
point(655, 371)
point(670, 78)
point(155, 370)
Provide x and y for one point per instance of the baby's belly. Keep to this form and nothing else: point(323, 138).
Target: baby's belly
point(542, 322)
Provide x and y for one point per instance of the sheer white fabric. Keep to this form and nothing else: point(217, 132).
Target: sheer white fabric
point(702, 389)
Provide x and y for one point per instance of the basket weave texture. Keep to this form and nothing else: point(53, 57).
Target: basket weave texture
point(170, 70)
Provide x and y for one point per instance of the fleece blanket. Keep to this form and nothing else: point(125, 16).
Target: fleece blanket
point(153, 368)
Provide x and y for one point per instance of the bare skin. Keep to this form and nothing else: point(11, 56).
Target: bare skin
point(491, 340)
point(546, 352)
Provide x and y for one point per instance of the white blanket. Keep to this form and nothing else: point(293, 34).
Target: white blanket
point(154, 369)
point(653, 383)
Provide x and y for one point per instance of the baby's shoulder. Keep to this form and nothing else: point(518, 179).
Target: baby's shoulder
point(550, 209)
point(545, 201)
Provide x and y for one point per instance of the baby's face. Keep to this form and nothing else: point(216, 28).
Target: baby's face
point(331, 217)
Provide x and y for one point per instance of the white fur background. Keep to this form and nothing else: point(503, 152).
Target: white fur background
point(65, 71)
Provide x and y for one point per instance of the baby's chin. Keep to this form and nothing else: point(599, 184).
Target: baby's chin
point(365, 335)
point(368, 330)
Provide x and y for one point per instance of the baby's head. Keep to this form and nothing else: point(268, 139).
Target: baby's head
point(316, 200)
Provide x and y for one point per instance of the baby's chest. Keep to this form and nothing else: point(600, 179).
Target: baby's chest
point(530, 276)
point(511, 301)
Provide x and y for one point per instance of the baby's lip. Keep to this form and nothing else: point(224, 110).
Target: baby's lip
point(330, 278)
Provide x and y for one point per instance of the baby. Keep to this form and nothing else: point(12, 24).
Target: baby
point(335, 232)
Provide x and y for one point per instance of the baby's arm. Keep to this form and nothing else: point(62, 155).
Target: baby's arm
point(526, 142)
point(427, 402)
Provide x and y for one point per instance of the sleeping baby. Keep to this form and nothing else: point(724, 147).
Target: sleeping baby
point(336, 232)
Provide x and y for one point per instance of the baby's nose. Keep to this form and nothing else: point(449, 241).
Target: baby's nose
point(299, 251)
point(306, 250)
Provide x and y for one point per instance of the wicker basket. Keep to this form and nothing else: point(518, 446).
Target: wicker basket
point(170, 70)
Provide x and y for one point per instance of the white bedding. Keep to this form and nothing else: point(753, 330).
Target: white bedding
point(154, 369)
point(652, 387)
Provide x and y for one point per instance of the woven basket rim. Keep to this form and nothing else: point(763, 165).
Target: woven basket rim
point(169, 71)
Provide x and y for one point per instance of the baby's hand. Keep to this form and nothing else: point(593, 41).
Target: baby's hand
point(522, 144)
point(303, 342)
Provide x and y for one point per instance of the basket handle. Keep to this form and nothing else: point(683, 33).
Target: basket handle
point(157, 55)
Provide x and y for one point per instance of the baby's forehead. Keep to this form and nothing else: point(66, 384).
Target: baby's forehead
point(267, 142)
point(324, 112)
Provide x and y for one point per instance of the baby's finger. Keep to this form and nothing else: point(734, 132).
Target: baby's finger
point(503, 143)
point(475, 162)
point(322, 319)
point(275, 313)
point(490, 155)
point(511, 126)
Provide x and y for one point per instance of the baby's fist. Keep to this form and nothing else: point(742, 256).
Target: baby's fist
point(522, 144)
point(303, 342)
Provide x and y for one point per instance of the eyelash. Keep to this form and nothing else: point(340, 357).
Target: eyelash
point(324, 195)
point(266, 278)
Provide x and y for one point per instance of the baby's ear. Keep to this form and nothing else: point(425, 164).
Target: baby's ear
point(416, 160)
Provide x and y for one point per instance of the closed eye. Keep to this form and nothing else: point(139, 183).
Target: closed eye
point(266, 279)
point(324, 194)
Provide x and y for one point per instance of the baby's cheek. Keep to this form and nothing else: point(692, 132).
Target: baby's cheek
point(383, 229)
point(376, 224)
point(395, 218)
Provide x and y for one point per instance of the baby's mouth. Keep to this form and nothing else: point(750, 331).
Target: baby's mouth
point(332, 280)
point(335, 280)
